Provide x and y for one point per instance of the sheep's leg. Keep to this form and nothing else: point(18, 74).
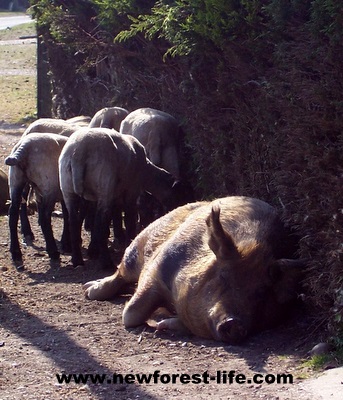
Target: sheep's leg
point(100, 232)
point(45, 208)
point(131, 219)
point(24, 220)
point(90, 208)
point(13, 219)
point(65, 239)
point(98, 235)
point(118, 230)
point(75, 223)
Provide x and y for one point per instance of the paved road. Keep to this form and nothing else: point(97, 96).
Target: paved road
point(327, 386)
point(8, 22)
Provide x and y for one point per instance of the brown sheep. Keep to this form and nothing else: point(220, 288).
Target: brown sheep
point(41, 125)
point(80, 120)
point(158, 132)
point(34, 161)
point(102, 166)
point(4, 192)
point(108, 117)
point(51, 125)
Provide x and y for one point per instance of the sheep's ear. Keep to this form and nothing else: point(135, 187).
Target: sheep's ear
point(220, 242)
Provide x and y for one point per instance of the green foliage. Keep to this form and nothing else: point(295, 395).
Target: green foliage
point(44, 11)
point(327, 19)
point(282, 12)
point(188, 24)
point(113, 15)
point(110, 12)
point(64, 21)
point(317, 362)
point(337, 322)
point(324, 17)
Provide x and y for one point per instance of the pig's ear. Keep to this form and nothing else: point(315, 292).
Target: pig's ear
point(219, 241)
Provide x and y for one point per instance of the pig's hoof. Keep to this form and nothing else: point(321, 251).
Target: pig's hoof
point(92, 288)
point(172, 324)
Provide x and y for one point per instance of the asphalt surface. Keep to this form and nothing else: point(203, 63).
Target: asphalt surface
point(9, 22)
point(327, 386)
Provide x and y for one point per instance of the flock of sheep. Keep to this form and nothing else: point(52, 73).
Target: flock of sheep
point(109, 168)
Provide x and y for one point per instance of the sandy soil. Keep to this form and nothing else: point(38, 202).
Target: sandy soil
point(48, 328)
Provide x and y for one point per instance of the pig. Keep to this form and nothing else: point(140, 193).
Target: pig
point(224, 269)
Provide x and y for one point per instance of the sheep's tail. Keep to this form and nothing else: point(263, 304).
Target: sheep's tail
point(17, 156)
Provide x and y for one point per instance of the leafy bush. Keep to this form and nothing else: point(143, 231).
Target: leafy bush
point(187, 24)
point(327, 19)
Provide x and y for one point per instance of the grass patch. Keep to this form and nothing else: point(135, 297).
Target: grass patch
point(317, 362)
point(20, 56)
point(28, 29)
point(18, 82)
point(320, 362)
point(19, 95)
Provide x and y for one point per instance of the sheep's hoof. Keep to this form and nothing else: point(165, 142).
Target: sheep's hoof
point(29, 239)
point(78, 263)
point(17, 256)
point(18, 262)
point(93, 252)
point(19, 267)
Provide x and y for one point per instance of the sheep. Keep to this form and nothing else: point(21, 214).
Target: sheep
point(80, 120)
point(159, 133)
point(4, 193)
point(102, 166)
point(51, 125)
point(41, 125)
point(109, 117)
point(34, 160)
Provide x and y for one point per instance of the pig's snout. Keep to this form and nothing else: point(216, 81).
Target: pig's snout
point(231, 330)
